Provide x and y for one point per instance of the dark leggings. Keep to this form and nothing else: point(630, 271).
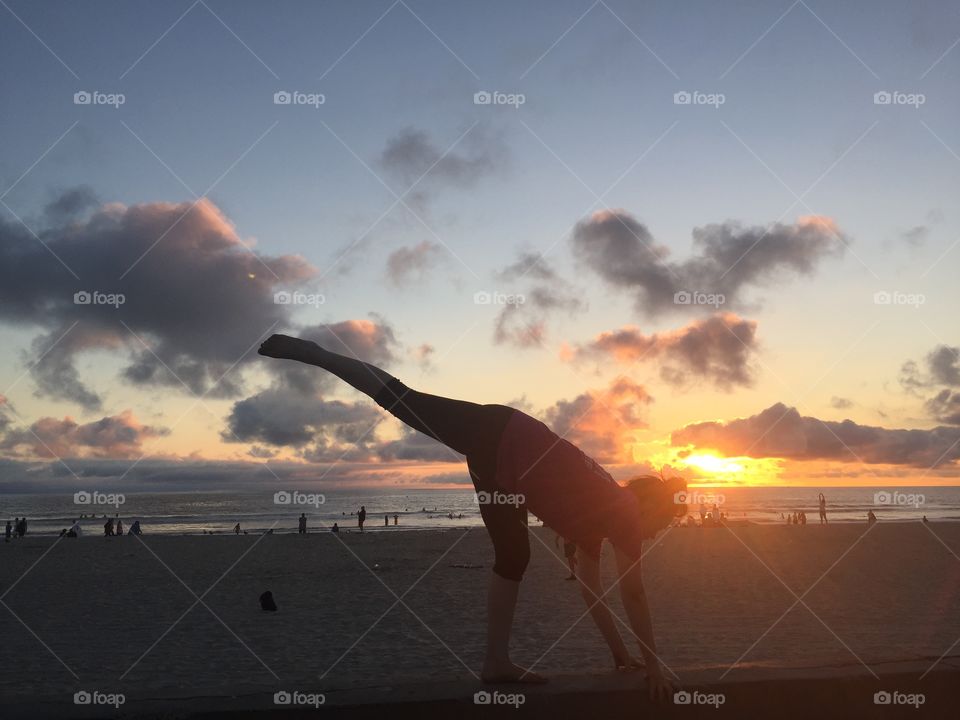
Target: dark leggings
point(472, 430)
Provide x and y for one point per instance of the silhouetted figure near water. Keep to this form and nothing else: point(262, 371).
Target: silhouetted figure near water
point(395, 518)
point(108, 528)
point(302, 527)
point(135, 528)
point(267, 603)
point(361, 516)
point(516, 463)
point(236, 529)
point(335, 528)
point(823, 508)
point(871, 518)
point(9, 532)
point(119, 527)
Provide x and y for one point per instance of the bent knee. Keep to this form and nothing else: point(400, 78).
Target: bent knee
point(511, 563)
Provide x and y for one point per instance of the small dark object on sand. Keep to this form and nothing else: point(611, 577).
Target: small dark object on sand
point(267, 603)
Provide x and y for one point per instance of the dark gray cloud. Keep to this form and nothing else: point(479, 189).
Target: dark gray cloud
point(938, 371)
point(840, 403)
point(781, 432)
point(69, 204)
point(718, 349)
point(412, 152)
point(412, 263)
point(944, 407)
point(192, 292)
point(540, 292)
point(728, 259)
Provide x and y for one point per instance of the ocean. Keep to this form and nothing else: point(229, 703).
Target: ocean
point(217, 512)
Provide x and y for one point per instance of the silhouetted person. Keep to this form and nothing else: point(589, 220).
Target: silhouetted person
point(803, 518)
point(386, 521)
point(302, 528)
point(395, 518)
point(823, 508)
point(924, 519)
point(509, 452)
point(267, 603)
point(108, 528)
point(871, 518)
point(236, 529)
point(22, 527)
point(335, 528)
point(9, 532)
point(361, 516)
point(119, 527)
point(135, 528)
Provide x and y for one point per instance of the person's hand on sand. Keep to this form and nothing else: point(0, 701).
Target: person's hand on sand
point(286, 347)
point(659, 688)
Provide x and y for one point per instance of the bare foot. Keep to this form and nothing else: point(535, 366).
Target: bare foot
point(286, 347)
point(509, 673)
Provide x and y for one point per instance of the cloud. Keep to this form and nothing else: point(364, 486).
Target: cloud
point(423, 354)
point(193, 293)
point(412, 156)
point(602, 422)
point(939, 369)
point(781, 432)
point(294, 410)
point(410, 263)
point(544, 293)
point(717, 349)
point(839, 403)
point(115, 436)
point(944, 407)
point(916, 236)
point(728, 259)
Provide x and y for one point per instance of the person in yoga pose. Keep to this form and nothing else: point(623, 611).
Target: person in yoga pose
point(517, 463)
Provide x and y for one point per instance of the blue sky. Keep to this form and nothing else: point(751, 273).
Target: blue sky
point(798, 119)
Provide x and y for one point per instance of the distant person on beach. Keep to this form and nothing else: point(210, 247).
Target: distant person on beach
point(871, 518)
point(361, 516)
point(9, 531)
point(803, 518)
point(22, 527)
point(135, 528)
point(302, 527)
point(335, 528)
point(924, 519)
point(823, 508)
point(236, 529)
point(518, 463)
point(108, 528)
point(386, 521)
point(395, 518)
point(119, 527)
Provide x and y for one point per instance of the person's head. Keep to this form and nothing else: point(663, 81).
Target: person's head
point(661, 500)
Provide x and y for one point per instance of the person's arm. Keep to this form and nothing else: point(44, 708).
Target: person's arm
point(638, 611)
point(591, 589)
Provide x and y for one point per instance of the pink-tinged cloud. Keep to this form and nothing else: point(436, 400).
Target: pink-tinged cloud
point(718, 349)
point(114, 436)
point(781, 432)
point(602, 422)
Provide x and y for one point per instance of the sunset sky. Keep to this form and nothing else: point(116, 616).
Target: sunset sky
point(791, 170)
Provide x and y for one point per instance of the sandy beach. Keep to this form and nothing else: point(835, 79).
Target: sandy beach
point(122, 616)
